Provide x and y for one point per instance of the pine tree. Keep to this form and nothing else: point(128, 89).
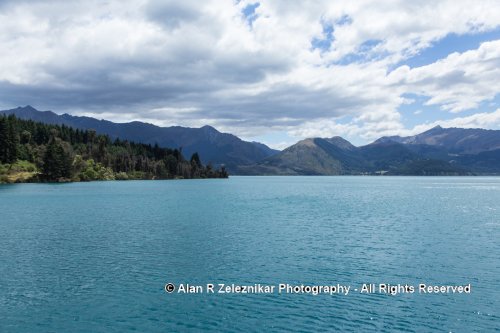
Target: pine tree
point(56, 162)
point(171, 164)
point(12, 140)
point(196, 159)
point(4, 129)
point(9, 140)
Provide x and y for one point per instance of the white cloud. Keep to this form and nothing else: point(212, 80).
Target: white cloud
point(194, 63)
point(487, 120)
point(371, 131)
point(457, 83)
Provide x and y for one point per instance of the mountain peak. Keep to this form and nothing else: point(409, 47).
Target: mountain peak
point(306, 142)
point(26, 108)
point(210, 129)
point(388, 139)
point(340, 142)
point(435, 129)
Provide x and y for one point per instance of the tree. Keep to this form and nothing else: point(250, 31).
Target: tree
point(12, 140)
point(4, 138)
point(91, 135)
point(56, 162)
point(171, 164)
point(9, 140)
point(101, 150)
point(195, 158)
point(25, 137)
point(52, 147)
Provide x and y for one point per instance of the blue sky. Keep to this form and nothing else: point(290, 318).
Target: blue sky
point(449, 44)
point(272, 71)
point(417, 112)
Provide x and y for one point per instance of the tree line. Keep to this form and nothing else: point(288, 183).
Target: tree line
point(62, 153)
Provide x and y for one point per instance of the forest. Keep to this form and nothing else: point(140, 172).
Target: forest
point(36, 152)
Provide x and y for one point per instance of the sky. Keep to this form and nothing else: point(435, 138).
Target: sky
point(271, 71)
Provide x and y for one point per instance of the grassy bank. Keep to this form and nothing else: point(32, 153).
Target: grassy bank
point(26, 172)
point(18, 172)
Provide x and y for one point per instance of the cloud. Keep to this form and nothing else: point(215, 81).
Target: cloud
point(369, 132)
point(244, 71)
point(172, 14)
point(457, 83)
point(487, 120)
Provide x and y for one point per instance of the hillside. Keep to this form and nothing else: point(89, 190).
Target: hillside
point(32, 151)
point(438, 151)
point(213, 146)
point(435, 152)
point(453, 140)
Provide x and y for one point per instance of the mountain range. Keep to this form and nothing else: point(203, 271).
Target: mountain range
point(438, 151)
point(213, 146)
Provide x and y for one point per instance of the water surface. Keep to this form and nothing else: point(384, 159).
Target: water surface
point(94, 257)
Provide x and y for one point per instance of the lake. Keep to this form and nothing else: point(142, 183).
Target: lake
point(95, 257)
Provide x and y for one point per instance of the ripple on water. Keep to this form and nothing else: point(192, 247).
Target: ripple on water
point(95, 256)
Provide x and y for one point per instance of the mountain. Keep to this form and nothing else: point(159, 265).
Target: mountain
point(439, 151)
point(303, 158)
point(268, 151)
point(453, 140)
point(213, 146)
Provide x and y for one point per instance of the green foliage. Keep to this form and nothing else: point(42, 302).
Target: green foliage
point(20, 171)
point(62, 153)
point(9, 139)
point(121, 176)
point(23, 166)
point(4, 168)
point(57, 162)
point(195, 159)
point(89, 170)
point(13, 140)
point(4, 128)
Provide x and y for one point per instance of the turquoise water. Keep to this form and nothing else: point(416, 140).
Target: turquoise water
point(94, 257)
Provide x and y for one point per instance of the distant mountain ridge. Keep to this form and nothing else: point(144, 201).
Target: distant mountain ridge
point(213, 146)
point(438, 151)
point(455, 140)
